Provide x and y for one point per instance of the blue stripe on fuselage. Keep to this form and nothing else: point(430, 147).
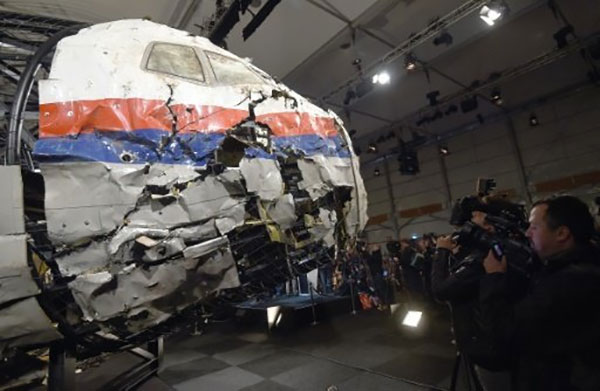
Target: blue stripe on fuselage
point(155, 146)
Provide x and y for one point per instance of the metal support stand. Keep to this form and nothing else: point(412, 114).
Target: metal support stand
point(352, 295)
point(471, 376)
point(153, 358)
point(312, 304)
point(198, 317)
point(61, 368)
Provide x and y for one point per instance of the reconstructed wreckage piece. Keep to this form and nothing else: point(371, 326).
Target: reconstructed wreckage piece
point(176, 172)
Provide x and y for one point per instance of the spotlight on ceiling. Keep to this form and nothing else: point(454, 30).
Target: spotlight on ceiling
point(451, 109)
point(410, 62)
point(443, 39)
point(409, 162)
point(432, 97)
point(562, 36)
point(444, 151)
point(497, 96)
point(469, 104)
point(372, 148)
point(533, 120)
point(377, 172)
point(349, 97)
point(492, 12)
point(357, 62)
point(381, 78)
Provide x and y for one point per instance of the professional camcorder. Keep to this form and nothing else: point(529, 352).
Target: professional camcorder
point(509, 222)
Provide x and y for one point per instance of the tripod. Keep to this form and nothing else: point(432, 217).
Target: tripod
point(471, 377)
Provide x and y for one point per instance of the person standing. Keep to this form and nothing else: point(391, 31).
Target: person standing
point(554, 330)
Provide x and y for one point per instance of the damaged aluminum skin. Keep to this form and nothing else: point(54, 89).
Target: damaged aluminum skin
point(176, 173)
point(22, 321)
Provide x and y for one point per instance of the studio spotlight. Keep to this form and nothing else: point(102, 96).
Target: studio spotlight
point(372, 148)
point(497, 96)
point(451, 109)
point(492, 12)
point(444, 151)
point(381, 78)
point(533, 120)
point(273, 316)
point(377, 172)
point(349, 97)
point(410, 62)
point(412, 318)
point(357, 62)
point(443, 39)
point(469, 104)
point(432, 97)
point(409, 163)
point(562, 36)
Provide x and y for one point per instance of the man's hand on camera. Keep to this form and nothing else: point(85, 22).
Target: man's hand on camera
point(491, 264)
point(445, 242)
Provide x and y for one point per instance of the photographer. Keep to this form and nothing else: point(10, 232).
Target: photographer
point(554, 330)
point(456, 273)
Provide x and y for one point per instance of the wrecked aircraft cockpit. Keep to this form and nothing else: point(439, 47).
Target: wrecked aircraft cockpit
point(174, 173)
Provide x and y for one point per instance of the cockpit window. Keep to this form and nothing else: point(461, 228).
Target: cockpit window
point(230, 71)
point(176, 60)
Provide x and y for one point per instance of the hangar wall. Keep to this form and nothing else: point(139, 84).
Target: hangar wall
point(562, 154)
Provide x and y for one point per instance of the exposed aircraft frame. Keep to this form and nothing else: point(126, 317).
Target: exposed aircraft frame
point(163, 191)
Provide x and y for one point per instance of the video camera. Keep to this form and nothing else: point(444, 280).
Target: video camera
point(509, 222)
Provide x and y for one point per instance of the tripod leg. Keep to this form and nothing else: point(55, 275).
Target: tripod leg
point(455, 372)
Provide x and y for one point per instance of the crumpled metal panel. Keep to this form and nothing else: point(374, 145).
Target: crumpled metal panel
point(90, 258)
point(25, 323)
point(128, 234)
point(263, 176)
point(15, 276)
point(151, 294)
point(321, 174)
point(11, 212)
point(88, 199)
point(283, 211)
point(325, 227)
point(164, 249)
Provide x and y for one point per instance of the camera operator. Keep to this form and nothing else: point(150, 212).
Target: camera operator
point(456, 274)
point(554, 330)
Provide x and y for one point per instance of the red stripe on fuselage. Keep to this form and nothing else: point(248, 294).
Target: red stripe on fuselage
point(84, 116)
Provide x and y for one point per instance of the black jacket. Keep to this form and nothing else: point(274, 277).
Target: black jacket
point(555, 328)
point(455, 280)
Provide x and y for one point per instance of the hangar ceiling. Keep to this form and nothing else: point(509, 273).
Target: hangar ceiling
point(314, 46)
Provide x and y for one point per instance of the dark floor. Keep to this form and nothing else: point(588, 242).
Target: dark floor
point(366, 351)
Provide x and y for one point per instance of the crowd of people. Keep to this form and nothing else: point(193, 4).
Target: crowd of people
point(517, 326)
point(379, 272)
